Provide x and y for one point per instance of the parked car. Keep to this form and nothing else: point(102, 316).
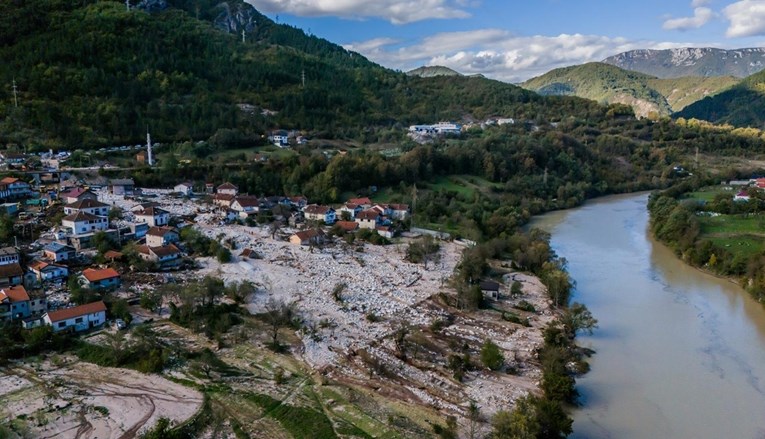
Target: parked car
point(119, 324)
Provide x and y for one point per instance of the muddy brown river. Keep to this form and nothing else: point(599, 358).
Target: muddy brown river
point(680, 354)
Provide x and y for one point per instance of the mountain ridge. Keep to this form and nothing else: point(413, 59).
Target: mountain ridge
point(691, 61)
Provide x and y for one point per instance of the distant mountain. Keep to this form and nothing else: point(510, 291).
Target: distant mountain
point(742, 105)
point(431, 71)
point(707, 62)
point(609, 84)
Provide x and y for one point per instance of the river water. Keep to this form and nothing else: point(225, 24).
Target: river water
point(680, 354)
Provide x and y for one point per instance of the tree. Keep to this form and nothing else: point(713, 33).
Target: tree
point(521, 423)
point(474, 419)
point(103, 242)
point(491, 356)
point(151, 300)
point(578, 318)
point(6, 228)
point(277, 315)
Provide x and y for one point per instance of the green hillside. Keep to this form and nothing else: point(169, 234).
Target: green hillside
point(431, 71)
point(742, 105)
point(681, 92)
point(91, 73)
point(609, 84)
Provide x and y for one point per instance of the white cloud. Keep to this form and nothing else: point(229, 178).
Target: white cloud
point(747, 18)
point(699, 3)
point(500, 54)
point(701, 16)
point(395, 11)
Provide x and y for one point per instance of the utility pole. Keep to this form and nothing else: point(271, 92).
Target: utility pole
point(15, 94)
point(127, 5)
point(303, 78)
point(150, 157)
point(244, 40)
point(697, 158)
point(414, 201)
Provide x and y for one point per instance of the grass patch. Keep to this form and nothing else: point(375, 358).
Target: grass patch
point(745, 245)
point(300, 422)
point(732, 224)
point(452, 184)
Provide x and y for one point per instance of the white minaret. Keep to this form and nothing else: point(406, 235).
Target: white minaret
point(148, 148)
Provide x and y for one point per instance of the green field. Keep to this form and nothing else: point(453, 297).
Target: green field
point(708, 193)
point(732, 225)
point(745, 245)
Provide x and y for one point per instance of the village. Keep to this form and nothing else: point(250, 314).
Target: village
point(344, 267)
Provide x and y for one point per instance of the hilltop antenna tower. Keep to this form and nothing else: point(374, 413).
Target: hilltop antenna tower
point(149, 157)
point(15, 94)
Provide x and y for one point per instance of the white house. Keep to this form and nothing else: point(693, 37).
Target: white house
point(368, 219)
point(245, 205)
point(227, 189)
point(351, 209)
point(153, 216)
point(159, 236)
point(87, 205)
point(315, 212)
point(77, 194)
point(186, 188)
point(45, 271)
point(81, 223)
point(399, 211)
point(78, 318)
point(280, 138)
point(9, 255)
point(165, 256)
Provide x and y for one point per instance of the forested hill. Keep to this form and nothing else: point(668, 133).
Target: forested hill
point(91, 73)
point(742, 105)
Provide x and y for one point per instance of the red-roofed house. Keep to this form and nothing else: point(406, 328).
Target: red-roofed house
point(153, 216)
point(14, 188)
point(165, 256)
point(77, 194)
point(87, 205)
point(100, 279)
point(78, 318)
point(14, 303)
point(365, 202)
point(368, 219)
point(159, 236)
point(400, 212)
point(11, 274)
point(347, 226)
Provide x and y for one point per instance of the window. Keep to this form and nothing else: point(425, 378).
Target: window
point(61, 324)
point(78, 320)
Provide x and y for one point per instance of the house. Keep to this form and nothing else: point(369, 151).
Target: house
point(100, 278)
point(159, 236)
point(81, 223)
point(347, 226)
point(11, 274)
point(308, 237)
point(384, 231)
point(209, 188)
point(245, 205)
point(12, 187)
point(78, 318)
point(298, 202)
point(166, 255)
point(186, 188)
point(87, 205)
point(46, 271)
point(9, 209)
point(124, 186)
point(742, 197)
point(364, 202)
point(490, 289)
point(57, 252)
point(280, 138)
point(138, 208)
point(153, 216)
point(77, 194)
point(400, 212)
point(139, 230)
point(368, 219)
point(227, 189)
point(9, 255)
point(315, 212)
point(14, 303)
point(384, 209)
point(223, 200)
point(13, 158)
point(249, 253)
point(351, 209)
point(113, 255)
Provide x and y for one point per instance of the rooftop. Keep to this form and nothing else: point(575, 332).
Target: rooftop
point(14, 294)
point(95, 275)
point(77, 311)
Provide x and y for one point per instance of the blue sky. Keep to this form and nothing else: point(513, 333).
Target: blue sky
point(514, 40)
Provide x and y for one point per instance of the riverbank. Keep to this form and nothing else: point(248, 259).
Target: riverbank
point(702, 334)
